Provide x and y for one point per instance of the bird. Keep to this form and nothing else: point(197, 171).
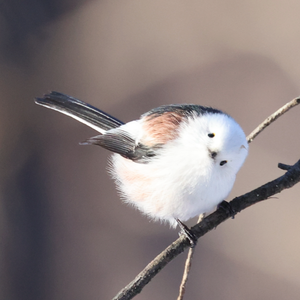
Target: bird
point(174, 163)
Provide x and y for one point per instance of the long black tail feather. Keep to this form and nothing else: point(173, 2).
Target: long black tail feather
point(79, 110)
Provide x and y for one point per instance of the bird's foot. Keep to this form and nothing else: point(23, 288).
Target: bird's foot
point(187, 233)
point(227, 208)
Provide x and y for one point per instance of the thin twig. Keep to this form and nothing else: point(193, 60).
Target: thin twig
point(272, 118)
point(187, 266)
point(284, 166)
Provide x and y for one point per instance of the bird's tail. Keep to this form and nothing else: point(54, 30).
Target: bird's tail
point(79, 110)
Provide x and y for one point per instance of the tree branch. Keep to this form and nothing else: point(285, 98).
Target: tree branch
point(289, 179)
point(187, 266)
point(272, 118)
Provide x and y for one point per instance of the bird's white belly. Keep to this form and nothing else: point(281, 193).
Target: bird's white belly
point(185, 193)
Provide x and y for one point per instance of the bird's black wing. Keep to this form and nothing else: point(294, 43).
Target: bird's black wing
point(119, 141)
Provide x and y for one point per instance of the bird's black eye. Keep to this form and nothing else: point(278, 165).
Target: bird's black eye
point(211, 135)
point(223, 162)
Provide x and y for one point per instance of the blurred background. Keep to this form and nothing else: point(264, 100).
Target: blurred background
point(65, 234)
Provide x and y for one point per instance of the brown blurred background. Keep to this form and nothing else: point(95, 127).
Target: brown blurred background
point(64, 232)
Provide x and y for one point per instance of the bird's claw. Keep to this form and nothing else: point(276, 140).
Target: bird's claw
point(187, 233)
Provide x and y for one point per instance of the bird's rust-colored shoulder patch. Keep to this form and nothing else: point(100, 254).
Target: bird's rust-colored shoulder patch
point(162, 128)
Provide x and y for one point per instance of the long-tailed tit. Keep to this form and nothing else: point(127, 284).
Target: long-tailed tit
point(174, 163)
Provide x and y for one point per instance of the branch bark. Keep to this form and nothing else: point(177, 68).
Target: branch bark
point(289, 179)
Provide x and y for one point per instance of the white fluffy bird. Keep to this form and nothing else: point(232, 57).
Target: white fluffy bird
point(174, 163)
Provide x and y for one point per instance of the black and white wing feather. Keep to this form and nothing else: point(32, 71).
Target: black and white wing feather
point(121, 142)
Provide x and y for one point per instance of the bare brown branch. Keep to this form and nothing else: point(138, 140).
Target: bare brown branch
point(187, 266)
point(272, 118)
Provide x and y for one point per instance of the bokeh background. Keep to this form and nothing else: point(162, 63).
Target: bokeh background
point(64, 232)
